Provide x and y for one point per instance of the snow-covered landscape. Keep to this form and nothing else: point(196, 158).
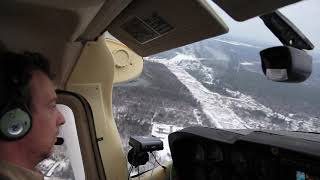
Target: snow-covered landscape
point(219, 108)
point(215, 83)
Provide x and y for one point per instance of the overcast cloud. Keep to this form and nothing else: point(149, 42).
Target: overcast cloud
point(305, 15)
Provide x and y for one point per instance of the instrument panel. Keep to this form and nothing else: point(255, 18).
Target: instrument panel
point(204, 154)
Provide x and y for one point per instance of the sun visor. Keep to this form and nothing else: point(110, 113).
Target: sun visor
point(153, 26)
point(242, 10)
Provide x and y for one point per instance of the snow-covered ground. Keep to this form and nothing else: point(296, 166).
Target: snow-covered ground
point(226, 109)
point(219, 108)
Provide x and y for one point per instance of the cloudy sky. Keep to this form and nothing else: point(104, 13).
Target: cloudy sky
point(303, 14)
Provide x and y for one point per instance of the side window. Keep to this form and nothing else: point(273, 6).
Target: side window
point(66, 161)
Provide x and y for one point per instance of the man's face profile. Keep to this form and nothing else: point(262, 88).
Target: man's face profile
point(46, 119)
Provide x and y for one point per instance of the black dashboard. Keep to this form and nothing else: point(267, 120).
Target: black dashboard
point(213, 154)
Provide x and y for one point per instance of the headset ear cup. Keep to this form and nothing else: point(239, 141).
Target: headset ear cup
point(15, 124)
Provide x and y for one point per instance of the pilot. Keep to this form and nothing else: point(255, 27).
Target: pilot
point(29, 119)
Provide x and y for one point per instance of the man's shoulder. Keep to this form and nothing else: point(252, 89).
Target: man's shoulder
point(9, 171)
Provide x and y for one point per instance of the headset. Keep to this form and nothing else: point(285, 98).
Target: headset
point(15, 117)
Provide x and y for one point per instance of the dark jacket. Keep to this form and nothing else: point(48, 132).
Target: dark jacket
point(9, 171)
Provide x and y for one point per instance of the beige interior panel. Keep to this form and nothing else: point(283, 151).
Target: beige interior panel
point(66, 19)
point(62, 55)
point(245, 9)
point(127, 64)
point(28, 27)
point(48, 27)
point(152, 26)
point(107, 13)
point(93, 78)
point(64, 68)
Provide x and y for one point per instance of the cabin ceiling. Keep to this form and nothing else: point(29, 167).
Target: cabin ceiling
point(59, 28)
point(55, 28)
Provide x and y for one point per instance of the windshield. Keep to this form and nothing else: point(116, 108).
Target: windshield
point(219, 82)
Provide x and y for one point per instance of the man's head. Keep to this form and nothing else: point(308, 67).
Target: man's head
point(26, 78)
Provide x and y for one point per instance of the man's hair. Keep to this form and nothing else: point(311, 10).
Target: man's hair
point(15, 76)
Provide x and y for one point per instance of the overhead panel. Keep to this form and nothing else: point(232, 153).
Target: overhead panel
point(153, 26)
point(242, 10)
